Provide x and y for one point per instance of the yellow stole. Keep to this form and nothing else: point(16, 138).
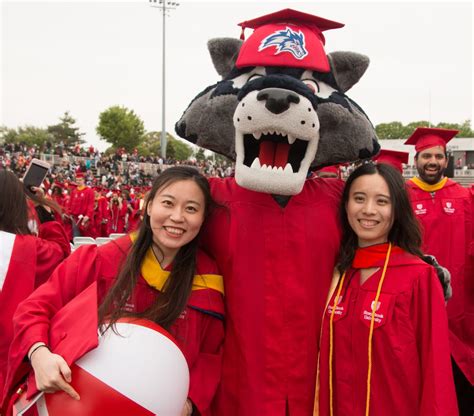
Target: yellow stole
point(427, 187)
point(156, 277)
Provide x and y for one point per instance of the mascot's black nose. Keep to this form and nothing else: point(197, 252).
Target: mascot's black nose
point(277, 100)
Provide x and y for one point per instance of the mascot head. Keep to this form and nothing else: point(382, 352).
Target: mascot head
point(280, 109)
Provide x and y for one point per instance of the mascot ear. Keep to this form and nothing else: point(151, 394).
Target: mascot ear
point(348, 68)
point(224, 53)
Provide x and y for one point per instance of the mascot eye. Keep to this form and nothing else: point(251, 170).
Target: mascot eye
point(312, 85)
point(254, 77)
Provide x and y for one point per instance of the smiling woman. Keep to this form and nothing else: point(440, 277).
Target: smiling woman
point(157, 274)
point(369, 210)
point(382, 292)
point(176, 214)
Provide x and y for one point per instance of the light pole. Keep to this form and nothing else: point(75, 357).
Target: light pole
point(165, 7)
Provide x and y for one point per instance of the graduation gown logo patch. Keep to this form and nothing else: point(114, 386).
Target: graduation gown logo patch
point(341, 307)
point(382, 309)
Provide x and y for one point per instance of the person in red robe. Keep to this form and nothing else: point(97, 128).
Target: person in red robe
point(101, 214)
point(384, 339)
point(81, 205)
point(26, 261)
point(173, 284)
point(444, 209)
point(118, 214)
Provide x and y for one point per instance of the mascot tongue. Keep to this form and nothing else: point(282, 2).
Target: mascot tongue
point(273, 154)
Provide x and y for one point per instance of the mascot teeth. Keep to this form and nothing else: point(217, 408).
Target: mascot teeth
point(256, 165)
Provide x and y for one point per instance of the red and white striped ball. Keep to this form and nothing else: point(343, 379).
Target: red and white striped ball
point(139, 372)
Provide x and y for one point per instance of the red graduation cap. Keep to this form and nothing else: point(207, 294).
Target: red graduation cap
point(426, 137)
point(79, 175)
point(393, 158)
point(286, 38)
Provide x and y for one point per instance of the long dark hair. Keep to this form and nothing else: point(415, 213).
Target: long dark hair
point(173, 298)
point(405, 231)
point(13, 206)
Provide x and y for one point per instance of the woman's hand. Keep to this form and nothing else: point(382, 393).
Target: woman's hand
point(51, 372)
point(187, 409)
point(38, 191)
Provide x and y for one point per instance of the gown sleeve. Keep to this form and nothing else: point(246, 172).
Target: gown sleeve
point(205, 374)
point(438, 396)
point(32, 318)
point(52, 247)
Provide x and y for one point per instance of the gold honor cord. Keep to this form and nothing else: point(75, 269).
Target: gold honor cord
point(372, 319)
point(371, 332)
point(331, 342)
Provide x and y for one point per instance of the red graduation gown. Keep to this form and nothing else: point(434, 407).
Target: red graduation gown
point(446, 219)
point(26, 262)
point(277, 265)
point(199, 331)
point(81, 202)
point(411, 367)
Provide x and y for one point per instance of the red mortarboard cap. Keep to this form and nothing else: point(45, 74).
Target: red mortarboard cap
point(79, 175)
point(393, 158)
point(286, 38)
point(426, 137)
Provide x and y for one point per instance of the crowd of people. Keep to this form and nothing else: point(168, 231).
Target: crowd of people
point(98, 194)
point(114, 171)
point(156, 272)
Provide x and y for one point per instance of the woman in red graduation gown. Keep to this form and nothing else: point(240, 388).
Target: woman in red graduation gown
point(157, 274)
point(384, 340)
point(26, 261)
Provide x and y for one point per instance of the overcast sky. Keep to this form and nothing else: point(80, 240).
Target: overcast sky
point(87, 56)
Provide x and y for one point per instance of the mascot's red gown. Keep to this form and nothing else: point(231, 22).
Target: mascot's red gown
point(277, 264)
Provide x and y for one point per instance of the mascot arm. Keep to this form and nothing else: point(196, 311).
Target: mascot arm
point(443, 275)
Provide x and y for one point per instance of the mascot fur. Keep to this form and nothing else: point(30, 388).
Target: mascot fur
point(280, 111)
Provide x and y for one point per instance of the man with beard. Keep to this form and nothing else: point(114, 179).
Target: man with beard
point(444, 210)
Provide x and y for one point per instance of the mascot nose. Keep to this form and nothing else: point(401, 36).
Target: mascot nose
point(277, 100)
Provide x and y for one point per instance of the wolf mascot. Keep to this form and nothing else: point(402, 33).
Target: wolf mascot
point(280, 111)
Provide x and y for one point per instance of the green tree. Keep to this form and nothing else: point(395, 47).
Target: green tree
point(150, 144)
point(32, 136)
point(464, 128)
point(121, 127)
point(176, 149)
point(8, 135)
point(393, 130)
point(65, 131)
point(199, 155)
point(396, 130)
